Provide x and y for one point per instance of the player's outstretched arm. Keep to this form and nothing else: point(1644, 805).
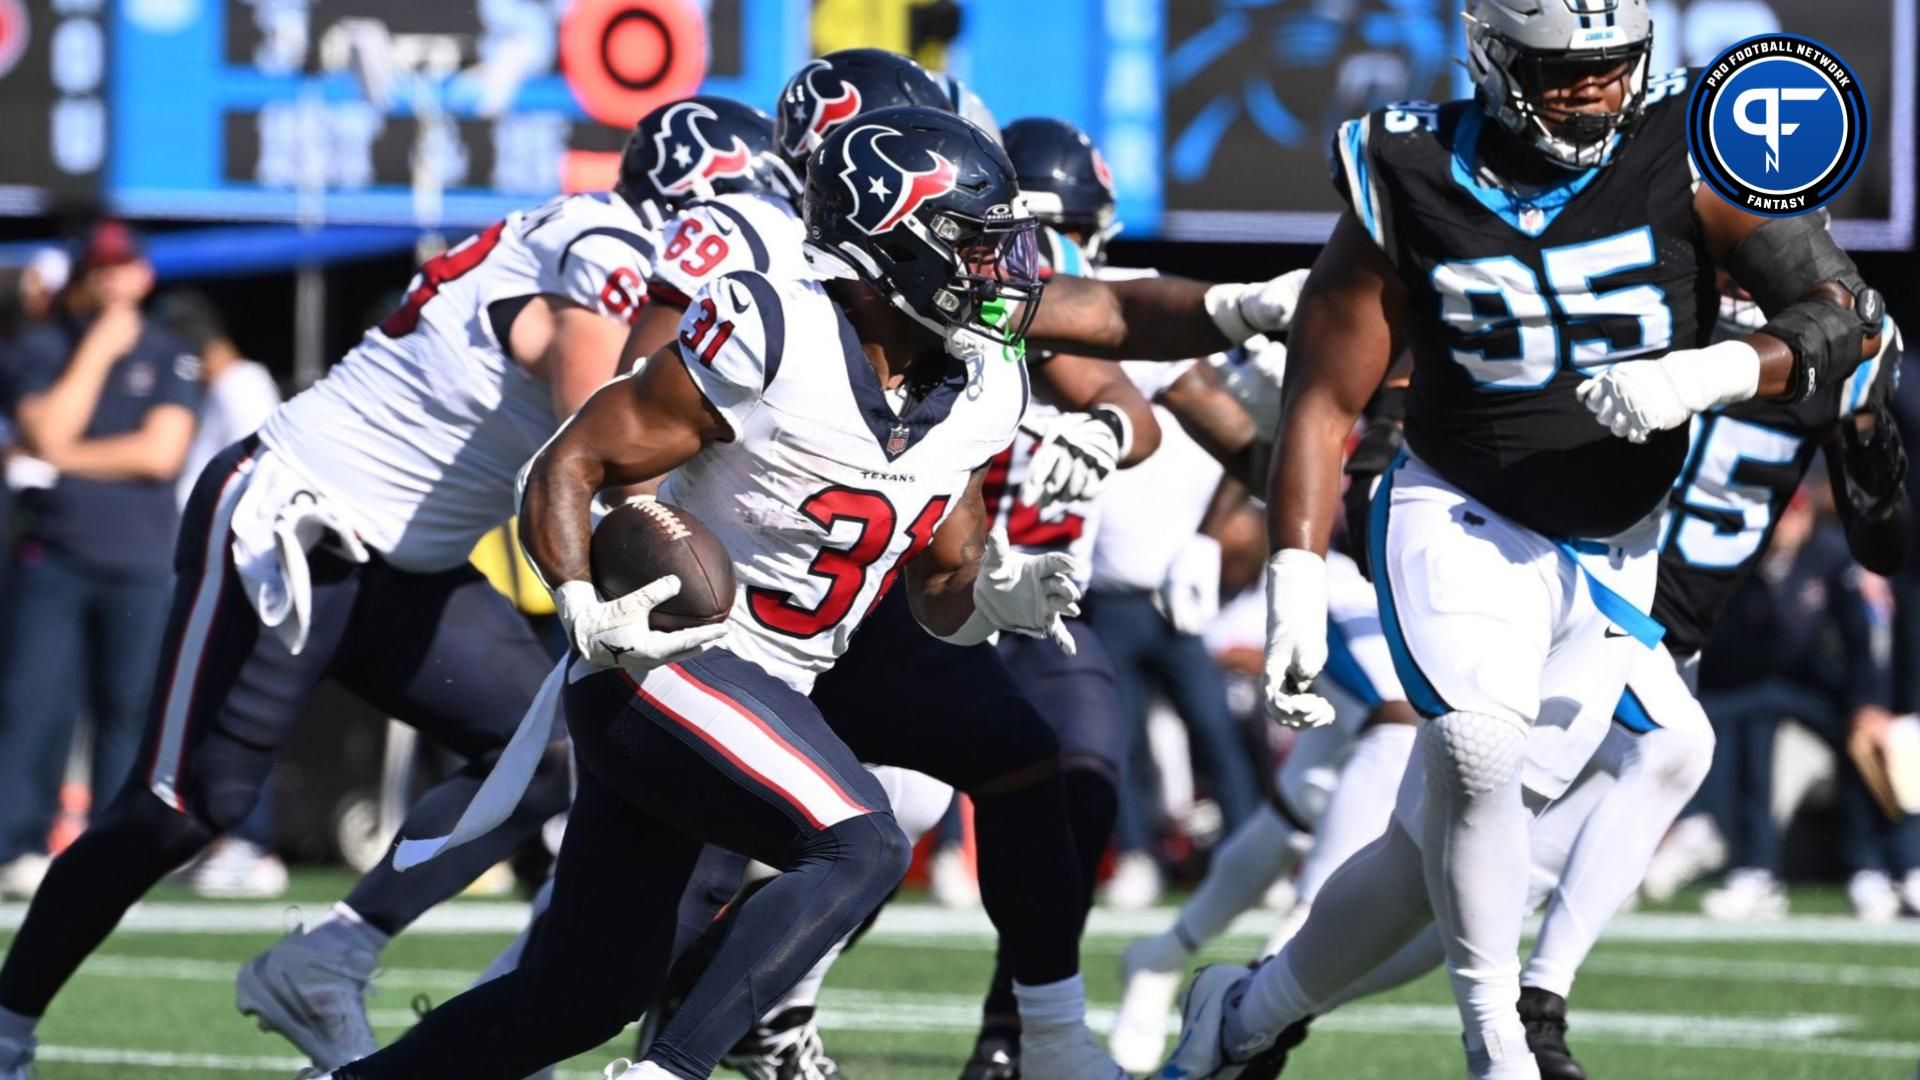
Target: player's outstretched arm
point(1343, 341)
point(631, 430)
point(1158, 318)
point(1822, 320)
point(581, 355)
point(1200, 401)
point(969, 584)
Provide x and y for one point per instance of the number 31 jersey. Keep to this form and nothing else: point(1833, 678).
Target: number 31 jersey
point(1515, 299)
point(824, 492)
point(420, 429)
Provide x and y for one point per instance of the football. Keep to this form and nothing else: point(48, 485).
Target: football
point(645, 539)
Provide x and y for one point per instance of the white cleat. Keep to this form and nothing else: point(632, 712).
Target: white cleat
point(1873, 896)
point(645, 1070)
point(1149, 986)
point(1749, 895)
point(236, 869)
point(1203, 1053)
point(1068, 1052)
point(315, 998)
point(1135, 884)
point(21, 878)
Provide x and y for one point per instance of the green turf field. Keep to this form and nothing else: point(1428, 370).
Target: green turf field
point(1819, 997)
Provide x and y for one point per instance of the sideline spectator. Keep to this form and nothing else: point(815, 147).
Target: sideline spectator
point(107, 400)
point(1805, 639)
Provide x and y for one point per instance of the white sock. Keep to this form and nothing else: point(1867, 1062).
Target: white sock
point(1474, 852)
point(17, 1027)
point(1052, 1005)
point(1361, 803)
point(1258, 854)
point(1658, 773)
point(343, 930)
point(1370, 908)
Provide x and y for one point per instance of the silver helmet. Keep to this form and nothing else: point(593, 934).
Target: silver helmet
point(1513, 46)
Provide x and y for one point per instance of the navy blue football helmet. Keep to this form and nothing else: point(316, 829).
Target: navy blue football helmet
point(700, 147)
point(1067, 183)
point(924, 206)
point(839, 86)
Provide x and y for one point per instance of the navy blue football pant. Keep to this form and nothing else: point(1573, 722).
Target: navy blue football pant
point(1739, 788)
point(72, 640)
point(711, 751)
point(900, 696)
point(974, 717)
point(443, 652)
point(1147, 652)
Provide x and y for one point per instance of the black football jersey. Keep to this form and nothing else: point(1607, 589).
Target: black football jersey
point(1514, 300)
point(1744, 466)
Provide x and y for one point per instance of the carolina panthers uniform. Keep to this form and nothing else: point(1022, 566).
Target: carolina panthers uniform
point(334, 544)
point(1517, 535)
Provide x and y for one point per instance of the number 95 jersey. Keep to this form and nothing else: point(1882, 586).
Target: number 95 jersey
point(1516, 297)
point(824, 492)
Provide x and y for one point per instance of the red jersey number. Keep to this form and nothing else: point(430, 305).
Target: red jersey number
point(455, 262)
point(706, 252)
point(845, 568)
point(707, 334)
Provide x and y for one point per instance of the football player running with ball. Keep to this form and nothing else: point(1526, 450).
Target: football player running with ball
point(1548, 255)
point(334, 544)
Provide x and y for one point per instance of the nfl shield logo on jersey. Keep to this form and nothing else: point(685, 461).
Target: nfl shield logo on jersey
point(897, 441)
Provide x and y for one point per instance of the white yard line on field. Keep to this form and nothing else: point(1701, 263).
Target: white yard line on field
point(166, 1059)
point(1787, 971)
point(925, 924)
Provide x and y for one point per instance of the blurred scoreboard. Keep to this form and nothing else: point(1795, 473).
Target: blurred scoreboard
point(1216, 114)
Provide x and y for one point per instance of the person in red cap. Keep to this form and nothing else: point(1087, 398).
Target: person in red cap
point(108, 400)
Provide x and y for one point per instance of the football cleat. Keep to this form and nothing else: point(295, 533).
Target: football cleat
point(16, 1058)
point(786, 1048)
point(315, 998)
point(1544, 1015)
point(622, 1069)
point(1066, 1052)
point(1149, 986)
point(1203, 1052)
point(996, 1056)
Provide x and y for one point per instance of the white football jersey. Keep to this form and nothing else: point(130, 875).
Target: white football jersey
point(1069, 527)
point(824, 492)
point(419, 431)
point(1150, 511)
point(710, 238)
point(1061, 526)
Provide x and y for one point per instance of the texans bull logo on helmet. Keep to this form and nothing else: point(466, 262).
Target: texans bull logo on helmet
point(811, 111)
point(685, 154)
point(884, 191)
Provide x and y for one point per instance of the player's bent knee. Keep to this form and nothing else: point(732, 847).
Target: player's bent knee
point(1473, 753)
point(1678, 757)
point(869, 852)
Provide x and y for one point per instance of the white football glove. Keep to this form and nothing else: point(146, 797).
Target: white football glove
point(1296, 639)
point(615, 633)
point(1076, 457)
point(1242, 309)
point(1635, 398)
point(1189, 597)
point(1027, 594)
point(1254, 374)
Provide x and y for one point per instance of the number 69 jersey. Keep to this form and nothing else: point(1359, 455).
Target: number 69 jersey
point(1515, 298)
point(824, 492)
